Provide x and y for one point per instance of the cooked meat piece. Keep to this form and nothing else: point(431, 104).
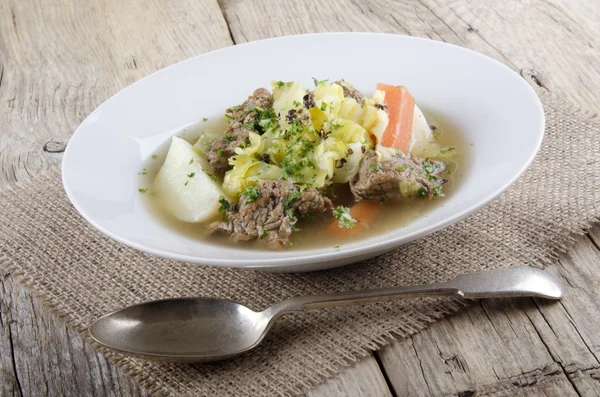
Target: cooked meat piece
point(272, 214)
point(350, 91)
point(397, 178)
point(236, 134)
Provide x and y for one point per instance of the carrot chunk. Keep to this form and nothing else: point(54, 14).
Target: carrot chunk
point(401, 107)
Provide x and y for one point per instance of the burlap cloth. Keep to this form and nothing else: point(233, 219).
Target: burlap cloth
point(79, 274)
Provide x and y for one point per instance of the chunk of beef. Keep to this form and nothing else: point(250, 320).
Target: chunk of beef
point(238, 131)
point(399, 178)
point(350, 91)
point(272, 215)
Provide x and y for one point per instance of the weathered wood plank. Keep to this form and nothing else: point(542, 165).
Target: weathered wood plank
point(551, 42)
point(516, 346)
point(61, 59)
point(364, 378)
point(40, 356)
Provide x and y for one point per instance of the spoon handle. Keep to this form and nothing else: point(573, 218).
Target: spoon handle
point(495, 283)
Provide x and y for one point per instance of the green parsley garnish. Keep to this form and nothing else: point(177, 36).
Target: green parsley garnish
point(191, 161)
point(323, 106)
point(381, 200)
point(437, 191)
point(399, 153)
point(280, 83)
point(429, 166)
point(229, 138)
point(448, 150)
point(154, 156)
point(191, 174)
point(142, 190)
point(296, 103)
point(264, 233)
point(252, 194)
point(220, 152)
point(186, 183)
point(204, 119)
point(374, 168)
point(211, 176)
point(400, 168)
point(422, 192)
point(342, 214)
point(225, 206)
point(287, 202)
point(317, 82)
point(336, 246)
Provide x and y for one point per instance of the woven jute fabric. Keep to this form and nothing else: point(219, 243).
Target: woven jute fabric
point(79, 274)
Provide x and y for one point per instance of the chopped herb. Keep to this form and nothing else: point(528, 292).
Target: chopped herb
point(382, 199)
point(228, 116)
point(374, 168)
point(323, 106)
point(252, 194)
point(264, 233)
point(204, 119)
point(317, 82)
point(400, 168)
point(220, 152)
point(225, 206)
point(243, 145)
point(448, 150)
point(142, 190)
point(229, 138)
point(429, 166)
point(191, 161)
point(191, 174)
point(336, 246)
point(287, 201)
point(234, 108)
point(342, 214)
point(186, 183)
point(291, 243)
point(296, 103)
point(437, 191)
point(280, 84)
point(399, 153)
point(422, 192)
point(296, 229)
point(154, 156)
point(211, 176)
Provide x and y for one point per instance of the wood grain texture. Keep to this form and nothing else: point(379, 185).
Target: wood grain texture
point(60, 59)
point(513, 346)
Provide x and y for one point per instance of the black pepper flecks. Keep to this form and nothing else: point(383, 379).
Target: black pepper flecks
point(291, 115)
point(350, 151)
point(381, 107)
point(340, 163)
point(309, 100)
point(265, 158)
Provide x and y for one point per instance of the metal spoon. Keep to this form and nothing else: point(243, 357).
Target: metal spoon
point(209, 329)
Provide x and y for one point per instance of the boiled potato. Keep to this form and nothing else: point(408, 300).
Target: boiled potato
point(183, 186)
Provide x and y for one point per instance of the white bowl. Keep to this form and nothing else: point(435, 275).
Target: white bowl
point(492, 107)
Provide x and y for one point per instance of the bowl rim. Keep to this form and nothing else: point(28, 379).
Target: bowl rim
point(303, 257)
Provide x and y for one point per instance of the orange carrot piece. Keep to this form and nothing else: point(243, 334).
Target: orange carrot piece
point(364, 212)
point(401, 107)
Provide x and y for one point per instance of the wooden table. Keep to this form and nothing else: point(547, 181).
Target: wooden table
point(59, 59)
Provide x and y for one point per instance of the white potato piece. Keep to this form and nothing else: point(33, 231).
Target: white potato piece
point(422, 136)
point(184, 188)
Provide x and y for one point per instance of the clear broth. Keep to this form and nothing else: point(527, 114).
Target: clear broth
point(313, 233)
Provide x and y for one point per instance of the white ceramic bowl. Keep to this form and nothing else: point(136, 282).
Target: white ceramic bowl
point(492, 106)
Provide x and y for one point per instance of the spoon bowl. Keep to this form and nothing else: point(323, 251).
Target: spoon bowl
point(182, 329)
